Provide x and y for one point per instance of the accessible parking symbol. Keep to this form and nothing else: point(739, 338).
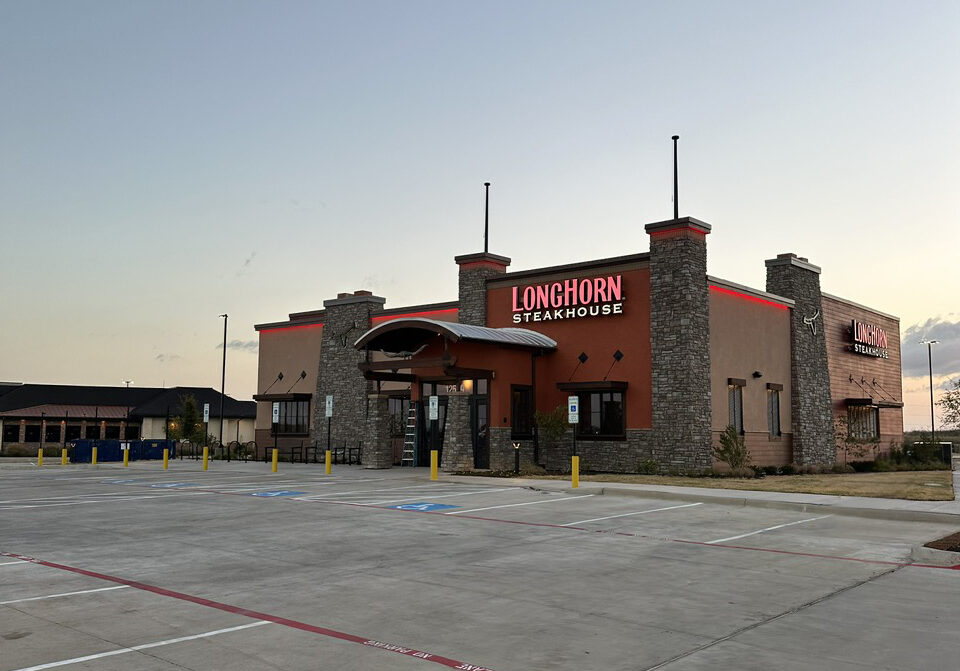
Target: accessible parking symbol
point(423, 507)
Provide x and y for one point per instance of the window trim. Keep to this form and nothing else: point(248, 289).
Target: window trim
point(735, 409)
point(773, 394)
point(280, 431)
point(588, 388)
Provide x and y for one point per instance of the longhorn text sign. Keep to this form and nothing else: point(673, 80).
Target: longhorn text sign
point(568, 299)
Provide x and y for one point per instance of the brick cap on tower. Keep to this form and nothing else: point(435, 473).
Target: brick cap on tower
point(791, 259)
point(356, 297)
point(482, 257)
point(679, 224)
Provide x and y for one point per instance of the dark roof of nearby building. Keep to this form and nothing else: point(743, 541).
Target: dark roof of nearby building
point(142, 401)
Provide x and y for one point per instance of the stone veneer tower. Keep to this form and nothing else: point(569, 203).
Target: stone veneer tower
point(794, 277)
point(347, 318)
point(680, 344)
point(475, 269)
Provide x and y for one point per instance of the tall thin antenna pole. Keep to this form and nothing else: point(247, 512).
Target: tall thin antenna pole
point(676, 189)
point(223, 382)
point(486, 219)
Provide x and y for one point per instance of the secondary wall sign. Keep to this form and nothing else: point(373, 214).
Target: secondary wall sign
point(434, 408)
point(570, 299)
point(328, 411)
point(276, 412)
point(206, 413)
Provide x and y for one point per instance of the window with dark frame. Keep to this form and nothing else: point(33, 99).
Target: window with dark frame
point(294, 418)
point(399, 409)
point(735, 405)
point(773, 412)
point(92, 432)
point(521, 411)
point(51, 433)
point(11, 433)
point(32, 433)
point(601, 415)
point(863, 422)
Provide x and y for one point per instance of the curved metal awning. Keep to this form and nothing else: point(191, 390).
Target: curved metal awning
point(406, 336)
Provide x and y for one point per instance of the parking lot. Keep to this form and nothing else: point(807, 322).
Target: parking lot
point(237, 568)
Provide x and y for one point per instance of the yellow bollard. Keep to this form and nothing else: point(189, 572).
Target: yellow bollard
point(63, 457)
point(166, 457)
point(93, 456)
point(328, 463)
point(276, 458)
point(206, 457)
point(575, 472)
point(433, 464)
point(40, 457)
point(126, 458)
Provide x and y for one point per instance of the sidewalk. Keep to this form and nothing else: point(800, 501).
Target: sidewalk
point(861, 506)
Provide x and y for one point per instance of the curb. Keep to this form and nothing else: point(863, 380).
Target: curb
point(744, 502)
point(923, 554)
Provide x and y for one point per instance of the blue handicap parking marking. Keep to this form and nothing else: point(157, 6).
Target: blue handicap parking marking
point(118, 482)
point(168, 485)
point(277, 492)
point(423, 507)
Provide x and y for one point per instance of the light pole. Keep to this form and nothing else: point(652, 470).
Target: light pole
point(929, 344)
point(223, 381)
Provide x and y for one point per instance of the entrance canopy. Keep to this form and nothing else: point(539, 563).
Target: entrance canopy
point(407, 336)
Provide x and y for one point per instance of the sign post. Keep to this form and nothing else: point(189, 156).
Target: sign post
point(328, 413)
point(433, 416)
point(573, 417)
point(276, 422)
point(206, 423)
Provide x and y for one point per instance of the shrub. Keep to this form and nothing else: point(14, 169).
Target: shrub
point(771, 470)
point(843, 468)
point(862, 466)
point(788, 469)
point(759, 471)
point(648, 467)
point(732, 450)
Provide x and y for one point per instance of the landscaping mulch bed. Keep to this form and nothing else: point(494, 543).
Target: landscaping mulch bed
point(949, 543)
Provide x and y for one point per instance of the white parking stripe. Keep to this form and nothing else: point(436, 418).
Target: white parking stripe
point(512, 505)
point(639, 512)
point(12, 563)
point(113, 500)
point(357, 491)
point(53, 596)
point(760, 531)
point(121, 651)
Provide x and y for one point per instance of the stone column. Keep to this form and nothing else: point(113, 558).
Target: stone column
point(347, 318)
point(794, 277)
point(475, 270)
point(377, 448)
point(457, 441)
point(680, 344)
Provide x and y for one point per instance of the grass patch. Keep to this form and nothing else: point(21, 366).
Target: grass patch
point(911, 485)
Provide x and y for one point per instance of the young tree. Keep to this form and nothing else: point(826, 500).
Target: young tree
point(188, 425)
point(732, 451)
point(950, 406)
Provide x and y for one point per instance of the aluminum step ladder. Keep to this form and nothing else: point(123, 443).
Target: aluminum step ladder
point(409, 455)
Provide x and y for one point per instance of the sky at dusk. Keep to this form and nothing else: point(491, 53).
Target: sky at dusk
point(162, 163)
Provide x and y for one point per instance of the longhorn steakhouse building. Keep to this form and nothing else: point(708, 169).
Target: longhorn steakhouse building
point(661, 356)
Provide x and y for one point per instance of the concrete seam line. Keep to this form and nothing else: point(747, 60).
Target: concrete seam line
point(246, 612)
point(514, 505)
point(53, 596)
point(137, 648)
point(639, 512)
point(773, 618)
point(773, 528)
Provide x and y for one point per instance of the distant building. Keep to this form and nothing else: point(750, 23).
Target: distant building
point(62, 413)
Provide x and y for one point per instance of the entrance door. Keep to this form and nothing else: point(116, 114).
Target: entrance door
point(480, 430)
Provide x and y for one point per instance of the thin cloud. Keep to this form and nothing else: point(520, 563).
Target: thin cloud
point(946, 353)
point(250, 346)
point(165, 357)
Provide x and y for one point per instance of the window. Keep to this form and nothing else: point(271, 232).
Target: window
point(32, 434)
point(399, 408)
point(773, 412)
point(73, 432)
point(735, 404)
point(132, 432)
point(51, 433)
point(93, 432)
point(863, 422)
point(601, 415)
point(294, 417)
point(11, 433)
point(112, 432)
point(521, 411)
